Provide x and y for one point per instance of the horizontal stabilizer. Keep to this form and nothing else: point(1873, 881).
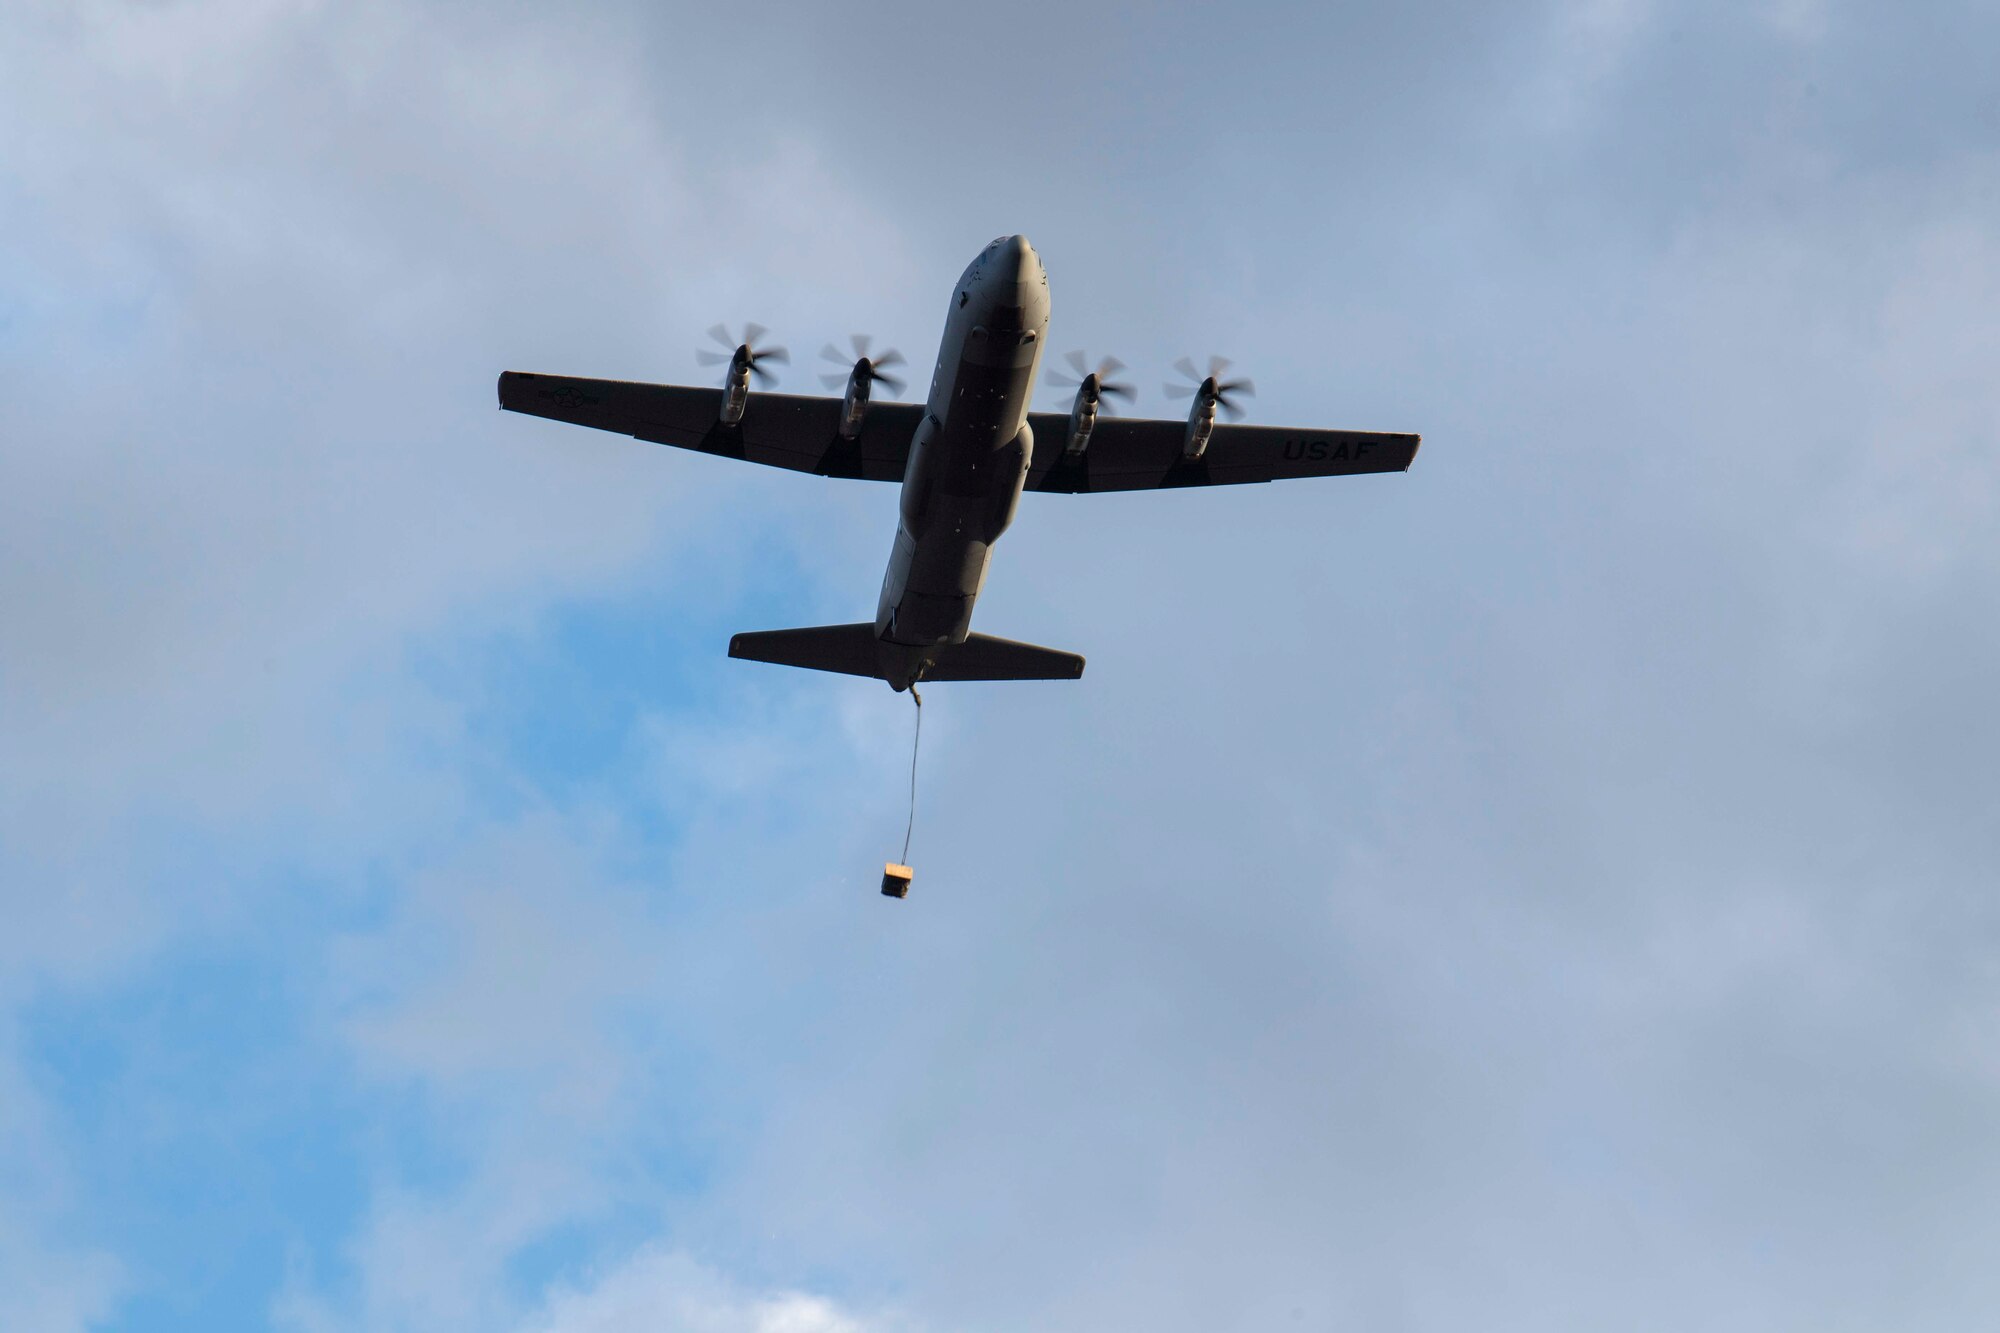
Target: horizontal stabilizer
point(983, 657)
point(854, 650)
point(851, 650)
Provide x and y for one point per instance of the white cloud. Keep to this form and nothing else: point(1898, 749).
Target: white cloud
point(263, 262)
point(45, 1291)
point(1588, 44)
point(49, 1282)
point(316, 233)
point(1803, 21)
point(660, 1290)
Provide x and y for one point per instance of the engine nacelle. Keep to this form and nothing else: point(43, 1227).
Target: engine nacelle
point(744, 363)
point(736, 389)
point(1201, 421)
point(854, 404)
point(1082, 418)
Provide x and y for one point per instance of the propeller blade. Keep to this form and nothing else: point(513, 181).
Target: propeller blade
point(832, 381)
point(832, 353)
point(889, 357)
point(861, 342)
point(1106, 368)
point(895, 385)
point(752, 353)
point(1226, 391)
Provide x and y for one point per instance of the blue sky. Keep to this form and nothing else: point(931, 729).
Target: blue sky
point(1551, 889)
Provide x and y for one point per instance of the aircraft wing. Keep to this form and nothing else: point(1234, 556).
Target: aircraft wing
point(778, 429)
point(1131, 454)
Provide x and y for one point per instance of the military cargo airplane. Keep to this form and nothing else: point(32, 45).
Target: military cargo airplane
point(964, 457)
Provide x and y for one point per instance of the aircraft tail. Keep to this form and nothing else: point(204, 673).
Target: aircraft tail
point(855, 651)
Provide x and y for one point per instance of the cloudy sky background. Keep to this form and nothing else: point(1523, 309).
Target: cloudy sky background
point(1551, 889)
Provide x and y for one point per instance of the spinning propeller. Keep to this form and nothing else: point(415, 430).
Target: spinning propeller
point(744, 350)
point(869, 368)
point(1097, 380)
point(1223, 392)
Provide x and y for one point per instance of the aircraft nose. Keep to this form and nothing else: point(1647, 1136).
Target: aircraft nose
point(1014, 258)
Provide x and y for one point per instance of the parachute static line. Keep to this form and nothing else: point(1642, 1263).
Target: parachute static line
point(916, 740)
point(896, 876)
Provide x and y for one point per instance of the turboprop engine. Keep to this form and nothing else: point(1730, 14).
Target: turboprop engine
point(860, 380)
point(1092, 387)
point(1210, 393)
point(744, 360)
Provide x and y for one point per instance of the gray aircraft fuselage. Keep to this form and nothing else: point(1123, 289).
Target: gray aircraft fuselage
point(969, 457)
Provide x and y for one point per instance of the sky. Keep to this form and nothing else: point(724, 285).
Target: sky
point(1551, 889)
